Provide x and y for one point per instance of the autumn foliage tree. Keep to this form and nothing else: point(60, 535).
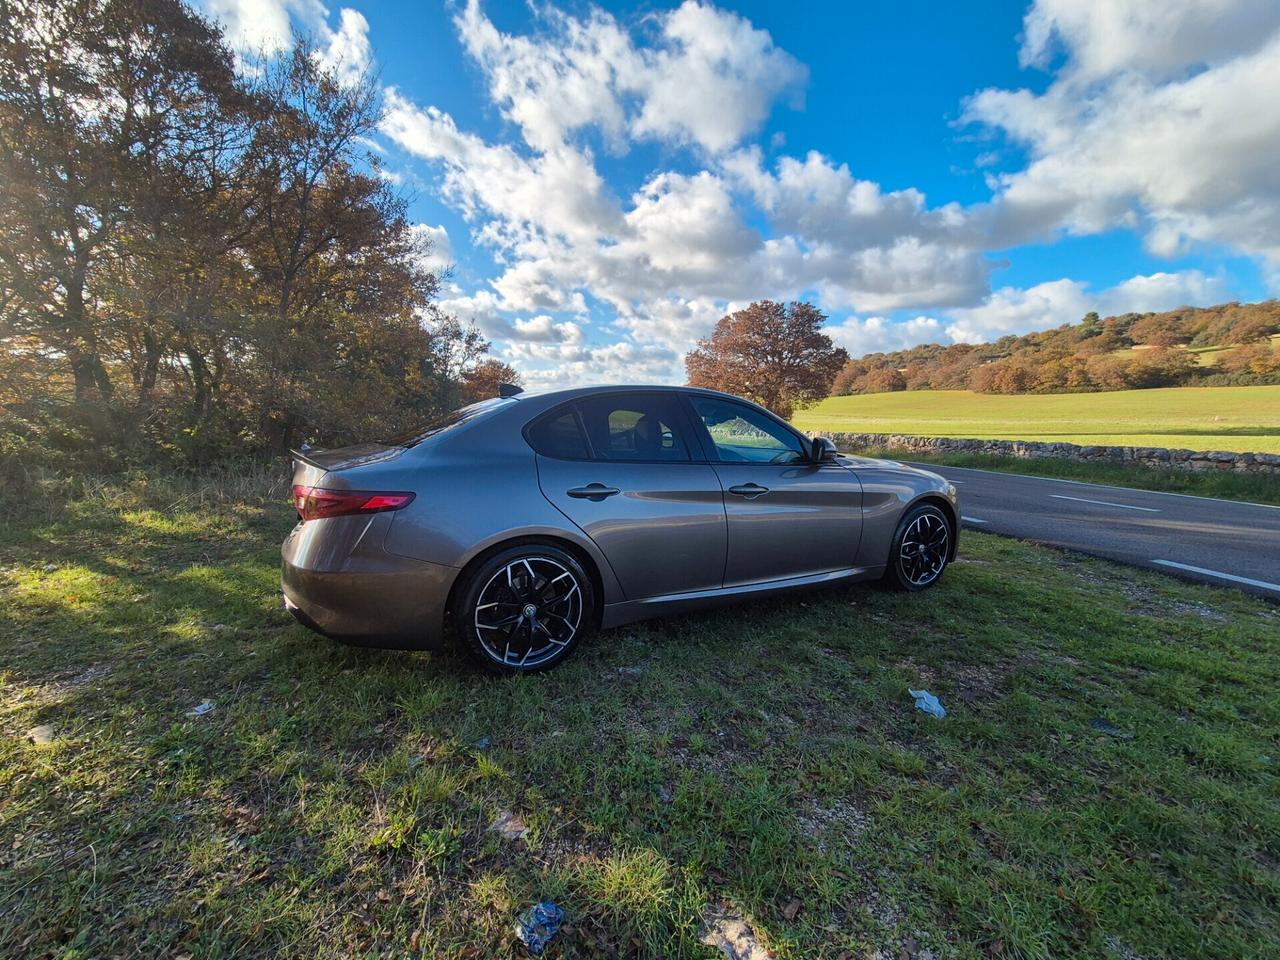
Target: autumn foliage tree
point(482, 380)
point(1125, 352)
point(775, 354)
point(196, 261)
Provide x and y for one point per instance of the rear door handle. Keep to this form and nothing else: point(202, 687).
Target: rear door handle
point(593, 491)
point(748, 490)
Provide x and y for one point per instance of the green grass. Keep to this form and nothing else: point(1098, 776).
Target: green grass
point(335, 803)
point(1209, 356)
point(1245, 419)
point(1223, 484)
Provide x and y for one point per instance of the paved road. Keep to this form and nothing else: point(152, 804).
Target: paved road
point(1223, 542)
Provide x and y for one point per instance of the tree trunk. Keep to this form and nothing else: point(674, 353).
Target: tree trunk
point(86, 365)
point(150, 367)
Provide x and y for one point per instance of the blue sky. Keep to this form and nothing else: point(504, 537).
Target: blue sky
point(606, 180)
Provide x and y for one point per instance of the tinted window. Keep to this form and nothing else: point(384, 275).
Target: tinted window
point(744, 435)
point(629, 426)
point(559, 436)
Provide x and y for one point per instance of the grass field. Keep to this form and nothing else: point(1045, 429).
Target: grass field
point(1104, 785)
point(1195, 418)
point(1204, 356)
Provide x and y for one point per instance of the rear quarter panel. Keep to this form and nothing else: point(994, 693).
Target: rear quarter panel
point(475, 491)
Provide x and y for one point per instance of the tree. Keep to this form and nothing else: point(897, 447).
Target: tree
point(199, 263)
point(885, 378)
point(849, 379)
point(481, 381)
point(90, 94)
point(774, 354)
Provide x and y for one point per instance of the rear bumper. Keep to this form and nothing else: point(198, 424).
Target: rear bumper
point(372, 598)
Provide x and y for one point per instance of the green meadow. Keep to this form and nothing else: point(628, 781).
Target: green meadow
point(1243, 419)
point(1104, 785)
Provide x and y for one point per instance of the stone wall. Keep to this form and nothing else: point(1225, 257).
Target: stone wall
point(1265, 463)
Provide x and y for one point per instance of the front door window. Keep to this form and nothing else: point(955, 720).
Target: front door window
point(743, 435)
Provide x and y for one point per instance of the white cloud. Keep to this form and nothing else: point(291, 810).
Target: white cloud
point(863, 248)
point(710, 77)
point(1163, 118)
point(267, 27)
point(879, 334)
point(713, 80)
point(1047, 305)
point(437, 249)
point(263, 26)
point(553, 85)
point(346, 52)
point(1158, 40)
point(558, 192)
point(543, 329)
point(549, 365)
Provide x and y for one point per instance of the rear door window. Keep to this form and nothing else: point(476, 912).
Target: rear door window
point(635, 426)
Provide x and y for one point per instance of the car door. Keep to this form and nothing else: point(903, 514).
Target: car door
point(787, 516)
point(622, 466)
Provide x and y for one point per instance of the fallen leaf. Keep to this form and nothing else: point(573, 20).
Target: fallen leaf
point(791, 909)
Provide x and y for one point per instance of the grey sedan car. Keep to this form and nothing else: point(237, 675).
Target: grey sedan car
point(522, 524)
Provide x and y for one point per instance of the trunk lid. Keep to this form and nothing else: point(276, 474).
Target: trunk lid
point(310, 467)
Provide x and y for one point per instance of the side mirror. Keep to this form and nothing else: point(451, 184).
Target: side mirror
point(823, 449)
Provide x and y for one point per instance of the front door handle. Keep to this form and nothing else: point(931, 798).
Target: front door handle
point(748, 490)
point(593, 491)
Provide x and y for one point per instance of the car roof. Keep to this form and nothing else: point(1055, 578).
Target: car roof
point(574, 393)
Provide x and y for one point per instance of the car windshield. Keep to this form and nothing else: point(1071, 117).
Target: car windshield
point(451, 420)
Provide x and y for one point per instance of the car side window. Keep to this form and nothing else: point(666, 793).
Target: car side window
point(560, 435)
point(744, 435)
point(630, 426)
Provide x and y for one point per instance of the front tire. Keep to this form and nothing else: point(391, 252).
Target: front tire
point(920, 549)
point(524, 609)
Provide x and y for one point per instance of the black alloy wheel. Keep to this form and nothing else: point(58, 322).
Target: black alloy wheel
point(525, 609)
point(921, 549)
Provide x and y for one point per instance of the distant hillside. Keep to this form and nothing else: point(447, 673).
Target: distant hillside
point(1225, 345)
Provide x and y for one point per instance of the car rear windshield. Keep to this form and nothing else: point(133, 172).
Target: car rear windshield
point(450, 421)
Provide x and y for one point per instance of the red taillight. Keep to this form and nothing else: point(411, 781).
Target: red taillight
point(315, 503)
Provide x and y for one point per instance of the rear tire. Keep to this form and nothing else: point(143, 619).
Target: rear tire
point(525, 609)
point(920, 550)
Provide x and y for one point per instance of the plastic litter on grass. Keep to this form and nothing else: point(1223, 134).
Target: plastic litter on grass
point(538, 925)
point(928, 703)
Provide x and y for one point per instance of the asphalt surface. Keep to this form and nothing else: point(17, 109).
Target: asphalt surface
point(1223, 542)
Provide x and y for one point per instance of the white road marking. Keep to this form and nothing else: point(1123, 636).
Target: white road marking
point(939, 467)
point(1221, 576)
point(1105, 503)
point(972, 520)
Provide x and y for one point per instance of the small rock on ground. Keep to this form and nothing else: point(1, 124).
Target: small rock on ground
point(509, 825)
point(41, 735)
point(729, 933)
